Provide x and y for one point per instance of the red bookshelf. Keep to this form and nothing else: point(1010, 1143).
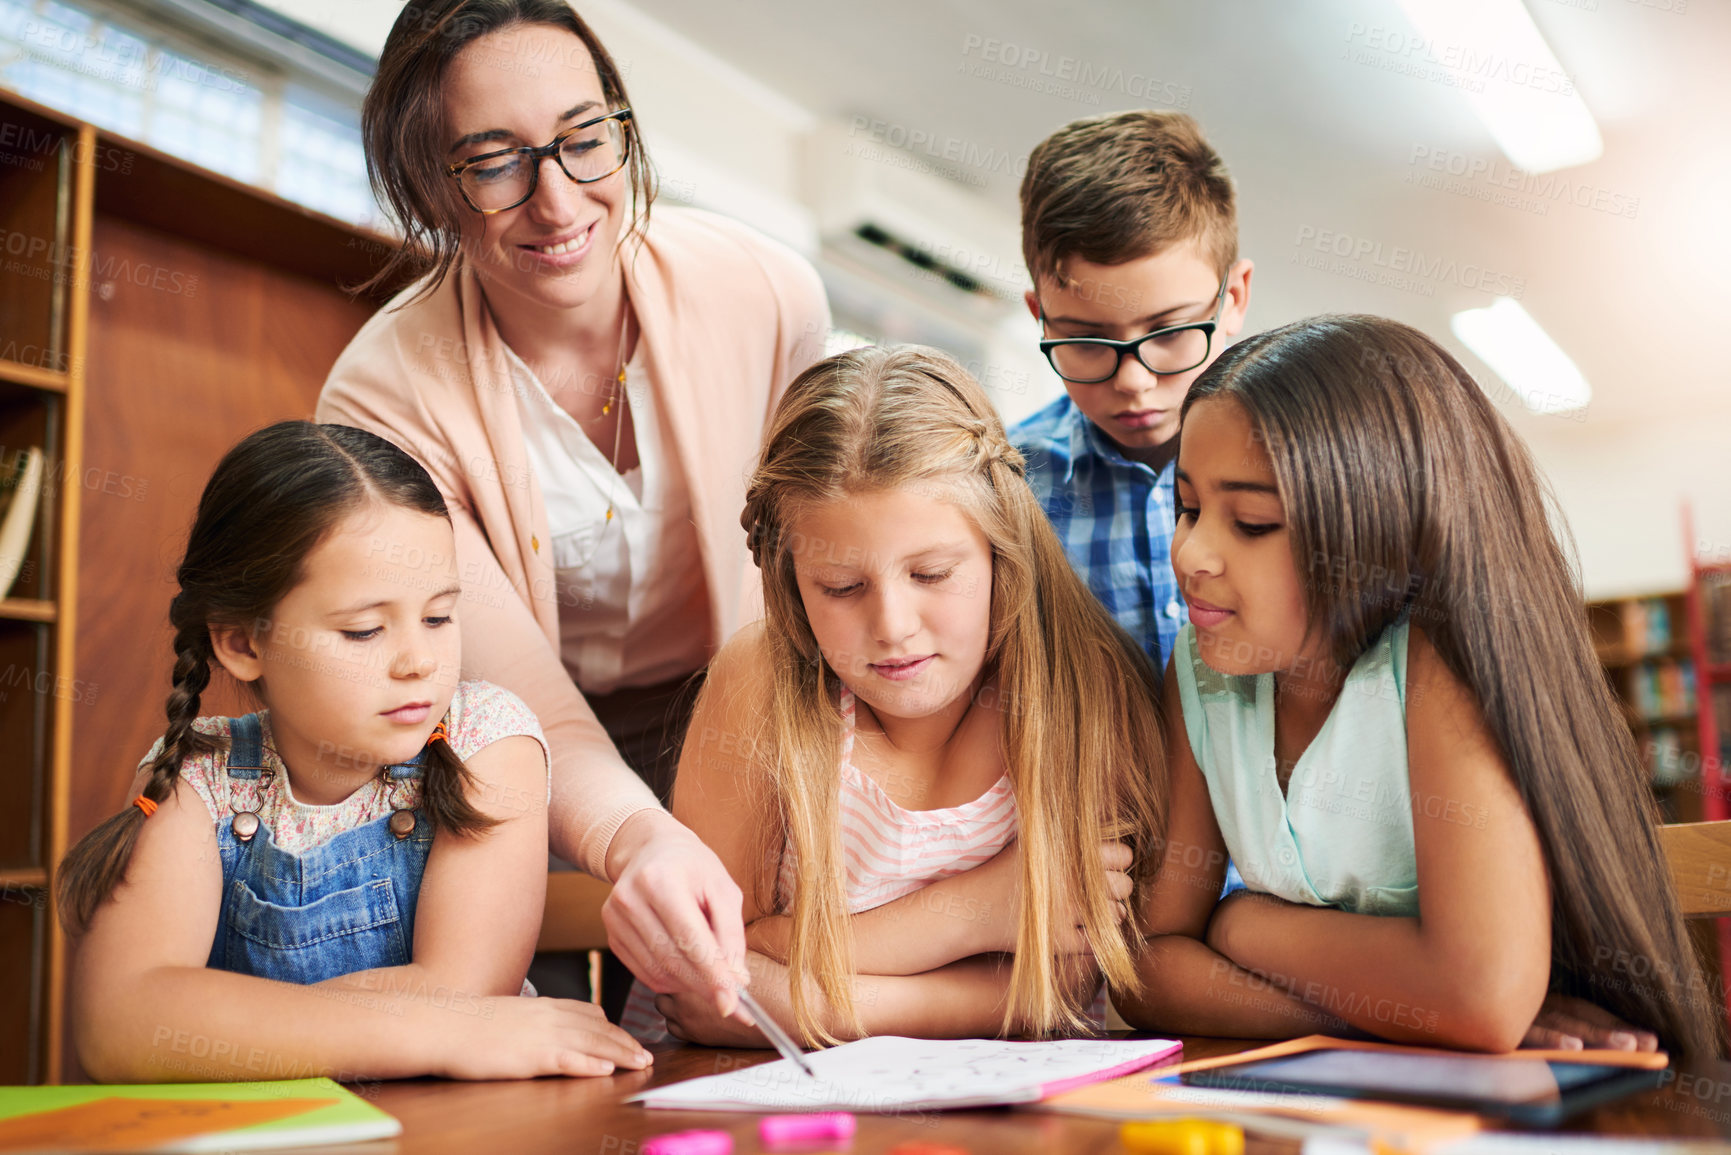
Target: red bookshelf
point(1709, 632)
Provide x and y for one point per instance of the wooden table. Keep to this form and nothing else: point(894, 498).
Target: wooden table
point(590, 1117)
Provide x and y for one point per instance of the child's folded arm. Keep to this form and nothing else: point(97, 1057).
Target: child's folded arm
point(482, 894)
point(1472, 969)
point(968, 914)
point(1189, 989)
point(964, 999)
point(195, 1024)
point(1186, 987)
point(149, 1010)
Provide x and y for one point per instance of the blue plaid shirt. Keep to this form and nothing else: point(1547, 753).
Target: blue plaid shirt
point(1115, 517)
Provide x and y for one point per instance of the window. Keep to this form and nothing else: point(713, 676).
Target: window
point(319, 162)
point(246, 121)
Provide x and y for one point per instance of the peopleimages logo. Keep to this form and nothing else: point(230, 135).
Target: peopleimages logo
point(1489, 179)
point(953, 155)
point(1038, 70)
point(1460, 64)
point(122, 60)
point(1365, 258)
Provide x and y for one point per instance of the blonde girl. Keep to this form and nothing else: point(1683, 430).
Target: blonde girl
point(933, 768)
point(1387, 710)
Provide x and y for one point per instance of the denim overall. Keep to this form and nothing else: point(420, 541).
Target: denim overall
point(344, 906)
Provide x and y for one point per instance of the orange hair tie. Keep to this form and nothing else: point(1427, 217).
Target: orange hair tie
point(145, 805)
point(439, 734)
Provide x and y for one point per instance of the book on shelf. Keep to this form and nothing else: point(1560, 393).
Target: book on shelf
point(1722, 720)
point(1647, 626)
point(1716, 609)
point(20, 496)
point(1661, 689)
point(1666, 759)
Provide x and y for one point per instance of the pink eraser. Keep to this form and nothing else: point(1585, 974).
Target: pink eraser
point(690, 1143)
point(774, 1129)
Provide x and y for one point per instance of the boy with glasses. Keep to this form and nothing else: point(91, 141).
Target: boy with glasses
point(1130, 232)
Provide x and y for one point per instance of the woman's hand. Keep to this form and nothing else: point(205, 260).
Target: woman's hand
point(506, 1037)
point(674, 915)
point(1567, 1023)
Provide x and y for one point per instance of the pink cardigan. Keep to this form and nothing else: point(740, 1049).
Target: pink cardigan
point(728, 318)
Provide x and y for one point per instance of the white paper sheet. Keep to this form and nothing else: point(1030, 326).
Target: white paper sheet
point(890, 1074)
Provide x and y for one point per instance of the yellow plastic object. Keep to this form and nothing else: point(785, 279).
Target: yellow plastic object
point(1182, 1137)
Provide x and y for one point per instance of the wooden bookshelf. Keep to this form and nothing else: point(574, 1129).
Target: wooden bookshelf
point(180, 310)
point(1709, 606)
point(34, 377)
point(1644, 645)
point(28, 610)
point(46, 189)
point(1659, 637)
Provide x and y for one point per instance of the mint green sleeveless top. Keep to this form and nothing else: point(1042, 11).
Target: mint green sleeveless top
point(1341, 833)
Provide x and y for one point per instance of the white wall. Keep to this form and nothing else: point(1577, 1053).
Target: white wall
point(1621, 485)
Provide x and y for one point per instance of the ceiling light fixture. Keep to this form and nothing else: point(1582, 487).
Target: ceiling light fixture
point(1495, 55)
point(1535, 368)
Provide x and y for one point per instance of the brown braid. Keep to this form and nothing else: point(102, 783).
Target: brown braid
point(92, 869)
point(446, 787)
point(192, 655)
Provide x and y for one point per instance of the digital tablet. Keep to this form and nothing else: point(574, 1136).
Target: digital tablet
point(1536, 1092)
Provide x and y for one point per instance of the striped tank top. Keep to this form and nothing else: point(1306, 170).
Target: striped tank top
point(890, 851)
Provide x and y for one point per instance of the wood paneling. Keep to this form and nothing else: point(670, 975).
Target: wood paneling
point(21, 920)
point(23, 772)
point(33, 245)
point(25, 418)
point(190, 350)
point(138, 184)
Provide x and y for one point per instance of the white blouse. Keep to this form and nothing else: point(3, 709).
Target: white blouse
point(616, 581)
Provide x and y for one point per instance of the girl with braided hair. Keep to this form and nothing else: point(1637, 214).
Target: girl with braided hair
point(933, 768)
point(350, 881)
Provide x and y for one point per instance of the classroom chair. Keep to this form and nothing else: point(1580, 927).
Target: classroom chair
point(1699, 855)
point(571, 921)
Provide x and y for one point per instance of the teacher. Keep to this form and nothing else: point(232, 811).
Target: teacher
point(589, 389)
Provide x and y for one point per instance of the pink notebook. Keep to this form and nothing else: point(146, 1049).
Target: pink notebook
point(891, 1074)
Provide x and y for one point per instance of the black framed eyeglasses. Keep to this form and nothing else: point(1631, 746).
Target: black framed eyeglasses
point(1174, 349)
point(587, 152)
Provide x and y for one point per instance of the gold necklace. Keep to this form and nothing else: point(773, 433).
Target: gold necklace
point(618, 391)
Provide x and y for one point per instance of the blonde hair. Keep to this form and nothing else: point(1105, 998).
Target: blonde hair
point(1085, 766)
point(1115, 188)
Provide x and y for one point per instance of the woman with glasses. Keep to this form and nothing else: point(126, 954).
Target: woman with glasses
point(589, 388)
